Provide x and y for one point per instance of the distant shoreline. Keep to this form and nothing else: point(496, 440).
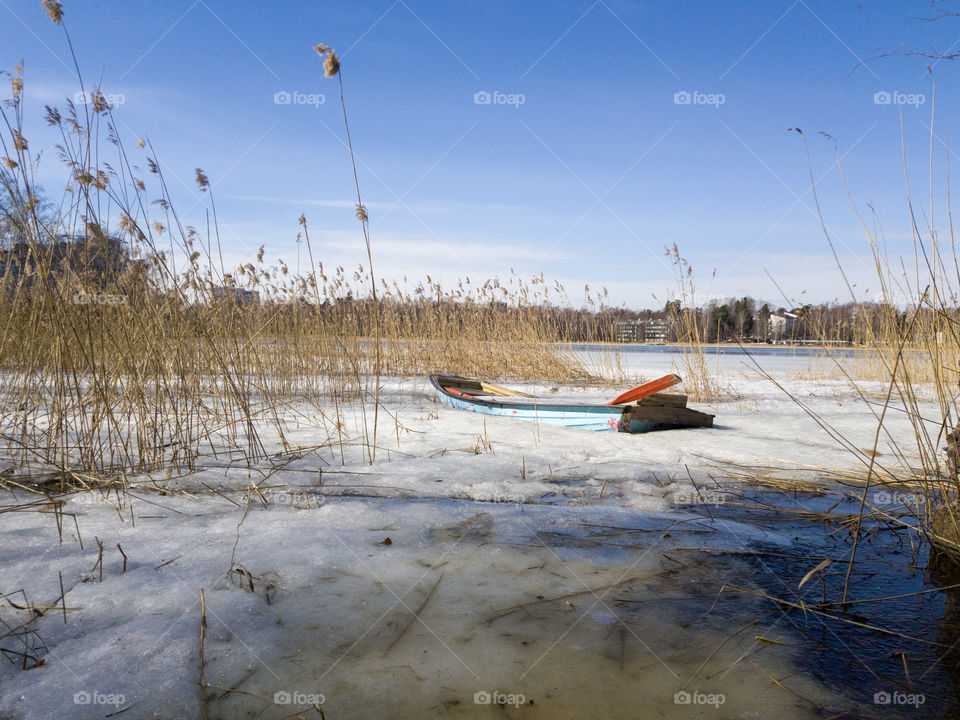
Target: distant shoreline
point(737, 346)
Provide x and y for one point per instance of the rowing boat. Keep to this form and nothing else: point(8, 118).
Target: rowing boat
point(656, 411)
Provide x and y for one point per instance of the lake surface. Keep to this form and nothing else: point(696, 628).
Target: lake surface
point(759, 349)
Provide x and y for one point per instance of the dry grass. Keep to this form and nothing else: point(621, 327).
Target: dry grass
point(912, 348)
point(700, 381)
point(127, 345)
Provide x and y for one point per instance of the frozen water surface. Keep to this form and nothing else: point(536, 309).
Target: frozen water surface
point(577, 611)
point(480, 567)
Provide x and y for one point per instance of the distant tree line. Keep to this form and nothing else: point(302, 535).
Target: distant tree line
point(747, 319)
point(97, 260)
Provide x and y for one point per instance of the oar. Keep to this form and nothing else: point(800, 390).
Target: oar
point(502, 391)
point(646, 390)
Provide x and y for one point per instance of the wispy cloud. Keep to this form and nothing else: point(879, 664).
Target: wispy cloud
point(437, 207)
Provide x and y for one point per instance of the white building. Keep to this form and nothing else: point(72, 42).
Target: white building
point(652, 331)
point(781, 325)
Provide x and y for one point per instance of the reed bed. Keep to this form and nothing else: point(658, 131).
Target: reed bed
point(700, 379)
point(127, 345)
point(912, 349)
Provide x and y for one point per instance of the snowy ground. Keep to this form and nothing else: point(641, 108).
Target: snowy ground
point(475, 569)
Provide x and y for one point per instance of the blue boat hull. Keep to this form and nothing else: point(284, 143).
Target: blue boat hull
point(584, 417)
point(649, 413)
point(461, 393)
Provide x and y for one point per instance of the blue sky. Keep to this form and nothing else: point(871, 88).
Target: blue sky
point(584, 166)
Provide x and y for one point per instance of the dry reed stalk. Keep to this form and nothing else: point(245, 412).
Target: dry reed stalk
point(127, 346)
point(203, 667)
point(699, 381)
point(916, 354)
point(63, 598)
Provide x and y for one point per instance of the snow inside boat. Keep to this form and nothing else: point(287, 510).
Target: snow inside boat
point(659, 411)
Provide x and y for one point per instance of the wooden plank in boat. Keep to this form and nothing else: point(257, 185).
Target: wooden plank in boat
point(667, 399)
point(666, 415)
